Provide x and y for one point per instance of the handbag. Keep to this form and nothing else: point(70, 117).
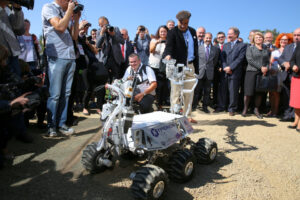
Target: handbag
point(268, 83)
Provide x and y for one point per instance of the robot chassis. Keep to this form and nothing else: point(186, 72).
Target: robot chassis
point(159, 137)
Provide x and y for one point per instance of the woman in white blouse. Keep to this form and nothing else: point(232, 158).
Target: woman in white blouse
point(157, 48)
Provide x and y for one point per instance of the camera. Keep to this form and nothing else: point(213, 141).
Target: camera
point(78, 7)
point(142, 29)
point(88, 25)
point(110, 28)
point(29, 4)
point(163, 41)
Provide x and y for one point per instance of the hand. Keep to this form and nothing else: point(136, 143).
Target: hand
point(264, 70)
point(77, 16)
point(139, 97)
point(103, 30)
point(286, 65)
point(220, 69)
point(82, 24)
point(71, 6)
point(295, 69)
point(21, 100)
point(168, 57)
point(227, 70)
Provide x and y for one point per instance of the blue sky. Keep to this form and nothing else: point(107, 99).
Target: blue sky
point(214, 15)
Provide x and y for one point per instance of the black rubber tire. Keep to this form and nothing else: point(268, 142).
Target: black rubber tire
point(89, 159)
point(146, 179)
point(205, 150)
point(178, 163)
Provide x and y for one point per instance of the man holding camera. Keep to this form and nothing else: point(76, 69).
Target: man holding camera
point(11, 24)
point(60, 26)
point(109, 39)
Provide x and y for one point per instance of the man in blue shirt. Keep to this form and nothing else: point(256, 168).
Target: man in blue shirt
point(182, 45)
point(60, 31)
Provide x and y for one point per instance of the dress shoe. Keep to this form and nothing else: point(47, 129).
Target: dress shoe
point(292, 127)
point(204, 109)
point(298, 130)
point(191, 120)
point(285, 119)
point(243, 114)
point(258, 115)
point(218, 110)
point(231, 113)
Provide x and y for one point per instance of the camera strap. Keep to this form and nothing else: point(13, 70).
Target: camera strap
point(74, 42)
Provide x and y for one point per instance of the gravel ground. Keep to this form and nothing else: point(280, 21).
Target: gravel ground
point(258, 159)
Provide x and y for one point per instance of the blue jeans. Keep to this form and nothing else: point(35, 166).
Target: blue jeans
point(60, 72)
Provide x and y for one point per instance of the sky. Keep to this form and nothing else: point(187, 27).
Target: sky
point(214, 15)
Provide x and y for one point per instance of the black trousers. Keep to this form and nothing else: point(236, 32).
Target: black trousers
point(288, 112)
point(146, 103)
point(203, 86)
point(90, 84)
point(228, 93)
point(162, 90)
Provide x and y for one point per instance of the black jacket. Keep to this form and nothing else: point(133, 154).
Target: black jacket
point(176, 47)
point(295, 60)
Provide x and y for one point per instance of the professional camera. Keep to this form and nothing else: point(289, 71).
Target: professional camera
point(29, 4)
point(78, 7)
point(110, 28)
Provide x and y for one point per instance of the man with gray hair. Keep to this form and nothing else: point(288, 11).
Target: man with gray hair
point(170, 24)
point(200, 35)
point(232, 58)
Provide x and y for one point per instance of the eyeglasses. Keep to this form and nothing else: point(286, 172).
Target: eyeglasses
point(283, 39)
point(298, 35)
point(221, 37)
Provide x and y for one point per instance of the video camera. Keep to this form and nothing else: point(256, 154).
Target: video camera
point(29, 4)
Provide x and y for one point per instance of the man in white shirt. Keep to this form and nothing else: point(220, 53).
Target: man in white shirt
point(146, 82)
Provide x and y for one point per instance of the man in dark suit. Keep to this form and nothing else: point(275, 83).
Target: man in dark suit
point(284, 61)
point(126, 50)
point(208, 61)
point(232, 58)
point(182, 45)
point(216, 82)
point(109, 40)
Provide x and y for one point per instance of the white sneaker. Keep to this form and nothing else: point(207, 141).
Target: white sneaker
point(66, 130)
point(52, 132)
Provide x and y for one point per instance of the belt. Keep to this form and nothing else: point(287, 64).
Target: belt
point(190, 62)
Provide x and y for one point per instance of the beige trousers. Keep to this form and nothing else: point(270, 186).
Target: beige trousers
point(175, 92)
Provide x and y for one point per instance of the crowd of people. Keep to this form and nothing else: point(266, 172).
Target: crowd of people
point(233, 76)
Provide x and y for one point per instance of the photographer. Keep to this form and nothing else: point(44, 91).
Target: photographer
point(60, 26)
point(142, 42)
point(109, 40)
point(11, 24)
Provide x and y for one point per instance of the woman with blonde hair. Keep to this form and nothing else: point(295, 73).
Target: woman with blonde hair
point(281, 42)
point(258, 61)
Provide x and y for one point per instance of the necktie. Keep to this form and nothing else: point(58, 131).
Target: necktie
point(221, 47)
point(232, 43)
point(207, 53)
point(123, 50)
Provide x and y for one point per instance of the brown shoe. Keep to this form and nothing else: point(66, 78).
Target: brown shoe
point(231, 113)
point(191, 120)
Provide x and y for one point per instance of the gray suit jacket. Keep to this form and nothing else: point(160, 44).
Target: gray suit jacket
point(105, 42)
point(11, 24)
point(286, 57)
point(209, 65)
